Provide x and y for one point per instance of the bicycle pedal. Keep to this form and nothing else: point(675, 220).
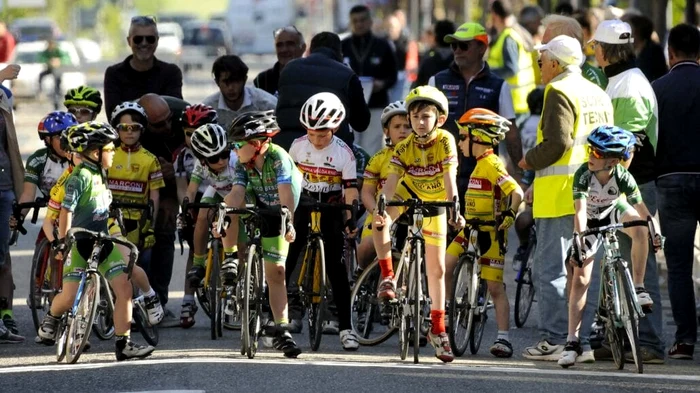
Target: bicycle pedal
point(647, 309)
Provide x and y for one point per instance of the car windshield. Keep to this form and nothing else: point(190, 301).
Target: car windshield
point(204, 36)
point(34, 33)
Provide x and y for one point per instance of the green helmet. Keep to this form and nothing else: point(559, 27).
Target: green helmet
point(86, 96)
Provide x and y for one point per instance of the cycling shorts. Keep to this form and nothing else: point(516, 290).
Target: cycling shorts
point(434, 221)
point(491, 261)
point(111, 264)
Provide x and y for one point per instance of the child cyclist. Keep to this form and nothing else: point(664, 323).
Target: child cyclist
point(272, 179)
point(136, 177)
point(486, 198)
point(427, 161)
point(215, 165)
point(86, 205)
point(84, 102)
point(328, 166)
point(604, 193)
point(192, 118)
point(396, 128)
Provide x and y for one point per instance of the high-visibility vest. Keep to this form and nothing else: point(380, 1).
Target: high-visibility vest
point(553, 186)
point(523, 82)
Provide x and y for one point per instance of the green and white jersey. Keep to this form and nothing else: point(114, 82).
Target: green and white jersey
point(278, 168)
point(634, 104)
point(88, 197)
point(602, 199)
point(43, 170)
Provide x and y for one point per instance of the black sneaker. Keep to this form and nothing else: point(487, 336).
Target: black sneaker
point(681, 350)
point(229, 269)
point(7, 337)
point(132, 351)
point(10, 324)
point(196, 275)
point(285, 343)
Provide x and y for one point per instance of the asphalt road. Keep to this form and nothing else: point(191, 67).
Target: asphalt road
point(187, 360)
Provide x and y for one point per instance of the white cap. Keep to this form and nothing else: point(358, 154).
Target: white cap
point(613, 32)
point(564, 48)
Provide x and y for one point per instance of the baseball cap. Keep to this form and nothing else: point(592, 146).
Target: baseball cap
point(467, 32)
point(564, 48)
point(613, 32)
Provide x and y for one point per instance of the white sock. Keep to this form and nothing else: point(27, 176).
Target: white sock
point(188, 299)
point(502, 335)
point(150, 293)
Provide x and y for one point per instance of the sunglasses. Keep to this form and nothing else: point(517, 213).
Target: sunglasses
point(129, 127)
point(239, 145)
point(162, 123)
point(224, 155)
point(596, 153)
point(80, 111)
point(138, 39)
point(463, 45)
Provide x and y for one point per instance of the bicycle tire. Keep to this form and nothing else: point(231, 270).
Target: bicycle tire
point(317, 309)
point(472, 298)
point(81, 324)
point(62, 339)
point(252, 302)
point(363, 299)
point(203, 299)
point(458, 314)
point(525, 290)
point(628, 312)
point(37, 277)
point(480, 324)
point(417, 300)
point(350, 258)
point(614, 334)
point(104, 318)
point(403, 312)
point(147, 330)
point(213, 294)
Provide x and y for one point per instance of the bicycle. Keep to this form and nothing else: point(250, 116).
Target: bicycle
point(618, 307)
point(410, 309)
point(313, 289)
point(525, 289)
point(46, 276)
point(76, 324)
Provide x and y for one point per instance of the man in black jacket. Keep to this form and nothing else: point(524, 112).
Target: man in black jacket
point(437, 58)
point(321, 71)
point(289, 45)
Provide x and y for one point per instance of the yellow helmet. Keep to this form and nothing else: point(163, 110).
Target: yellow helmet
point(430, 94)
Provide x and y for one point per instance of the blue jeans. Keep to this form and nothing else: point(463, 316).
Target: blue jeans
point(553, 242)
point(6, 282)
point(679, 213)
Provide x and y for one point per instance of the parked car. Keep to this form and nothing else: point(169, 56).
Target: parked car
point(28, 56)
point(35, 29)
point(204, 42)
point(169, 41)
point(180, 19)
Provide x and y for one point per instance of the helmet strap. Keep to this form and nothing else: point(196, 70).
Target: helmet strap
point(258, 149)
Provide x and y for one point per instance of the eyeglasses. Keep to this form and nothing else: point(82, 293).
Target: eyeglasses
point(290, 28)
point(129, 127)
point(80, 111)
point(145, 19)
point(463, 45)
point(138, 39)
point(239, 145)
point(224, 155)
point(162, 123)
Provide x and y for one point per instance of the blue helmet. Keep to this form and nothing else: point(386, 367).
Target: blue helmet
point(55, 122)
point(612, 141)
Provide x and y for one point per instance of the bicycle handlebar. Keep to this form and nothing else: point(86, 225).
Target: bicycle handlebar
point(353, 208)
point(17, 214)
point(102, 238)
point(614, 227)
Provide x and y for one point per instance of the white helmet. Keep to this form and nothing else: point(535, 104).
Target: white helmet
point(208, 140)
point(322, 111)
point(124, 107)
point(395, 108)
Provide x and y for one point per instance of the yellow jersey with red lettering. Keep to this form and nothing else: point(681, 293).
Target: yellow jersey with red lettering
point(134, 173)
point(58, 191)
point(489, 185)
point(423, 165)
point(377, 169)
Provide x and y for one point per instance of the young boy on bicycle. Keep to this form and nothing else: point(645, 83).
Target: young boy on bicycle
point(423, 166)
point(486, 198)
point(329, 170)
point(216, 165)
point(192, 118)
point(86, 205)
point(268, 176)
point(604, 193)
point(396, 128)
point(136, 177)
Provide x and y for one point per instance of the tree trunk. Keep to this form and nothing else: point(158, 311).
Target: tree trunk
point(659, 18)
point(690, 14)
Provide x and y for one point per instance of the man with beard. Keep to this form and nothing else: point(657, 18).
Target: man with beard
point(234, 97)
point(141, 72)
point(289, 45)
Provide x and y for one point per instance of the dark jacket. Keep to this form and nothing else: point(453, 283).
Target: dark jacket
point(433, 61)
point(652, 61)
point(372, 56)
point(268, 80)
point(319, 72)
point(678, 99)
point(123, 83)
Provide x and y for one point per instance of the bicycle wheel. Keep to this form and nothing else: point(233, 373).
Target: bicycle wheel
point(104, 322)
point(62, 339)
point(39, 291)
point(525, 289)
point(614, 334)
point(350, 257)
point(366, 309)
point(417, 298)
point(203, 299)
point(81, 324)
point(628, 312)
point(140, 315)
point(403, 310)
point(458, 314)
point(480, 318)
point(319, 300)
point(252, 302)
point(214, 294)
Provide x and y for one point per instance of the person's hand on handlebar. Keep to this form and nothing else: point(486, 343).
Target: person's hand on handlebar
point(14, 222)
point(507, 219)
point(459, 223)
point(58, 246)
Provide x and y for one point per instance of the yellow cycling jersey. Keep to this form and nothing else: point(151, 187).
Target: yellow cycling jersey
point(377, 169)
point(58, 191)
point(489, 185)
point(134, 173)
point(423, 165)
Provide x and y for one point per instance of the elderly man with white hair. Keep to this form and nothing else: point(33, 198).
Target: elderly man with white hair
point(573, 107)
